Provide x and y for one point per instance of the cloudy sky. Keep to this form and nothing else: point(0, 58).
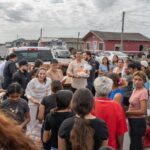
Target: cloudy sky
point(65, 18)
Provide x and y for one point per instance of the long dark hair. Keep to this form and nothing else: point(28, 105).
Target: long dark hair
point(107, 62)
point(14, 88)
point(115, 78)
point(39, 69)
point(82, 133)
point(63, 100)
point(113, 62)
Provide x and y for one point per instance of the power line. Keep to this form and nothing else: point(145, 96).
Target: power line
point(140, 15)
point(140, 23)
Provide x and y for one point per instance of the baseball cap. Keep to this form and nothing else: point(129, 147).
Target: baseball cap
point(144, 63)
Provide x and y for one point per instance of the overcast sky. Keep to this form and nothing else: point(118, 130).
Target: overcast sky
point(65, 18)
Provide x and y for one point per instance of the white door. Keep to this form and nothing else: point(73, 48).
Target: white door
point(94, 45)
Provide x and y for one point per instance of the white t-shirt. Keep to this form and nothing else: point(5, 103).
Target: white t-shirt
point(38, 90)
point(73, 68)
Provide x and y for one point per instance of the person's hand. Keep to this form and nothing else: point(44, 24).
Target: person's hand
point(128, 114)
point(76, 76)
point(35, 101)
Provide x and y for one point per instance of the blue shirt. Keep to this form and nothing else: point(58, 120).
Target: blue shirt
point(113, 93)
point(103, 68)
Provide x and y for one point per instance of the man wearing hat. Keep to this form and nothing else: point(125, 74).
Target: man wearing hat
point(22, 76)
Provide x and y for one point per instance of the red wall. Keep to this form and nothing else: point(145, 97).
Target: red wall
point(91, 39)
point(128, 45)
point(110, 45)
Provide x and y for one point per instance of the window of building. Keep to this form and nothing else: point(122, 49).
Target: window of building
point(101, 46)
point(88, 46)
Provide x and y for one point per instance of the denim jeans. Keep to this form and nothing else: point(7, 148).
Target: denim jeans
point(137, 128)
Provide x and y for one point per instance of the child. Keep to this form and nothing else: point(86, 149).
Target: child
point(55, 118)
point(16, 107)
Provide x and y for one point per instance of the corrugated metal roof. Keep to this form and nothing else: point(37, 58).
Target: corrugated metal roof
point(117, 36)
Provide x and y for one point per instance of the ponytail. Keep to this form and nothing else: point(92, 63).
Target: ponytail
point(82, 135)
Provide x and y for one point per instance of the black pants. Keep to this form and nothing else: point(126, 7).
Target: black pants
point(73, 89)
point(126, 101)
point(137, 128)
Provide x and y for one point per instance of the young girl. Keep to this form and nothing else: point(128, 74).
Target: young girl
point(105, 67)
point(116, 93)
point(137, 110)
point(84, 131)
point(15, 106)
point(115, 61)
point(118, 70)
point(55, 118)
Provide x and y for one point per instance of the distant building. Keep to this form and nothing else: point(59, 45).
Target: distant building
point(70, 43)
point(74, 43)
point(3, 51)
point(23, 42)
point(98, 40)
point(50, 42)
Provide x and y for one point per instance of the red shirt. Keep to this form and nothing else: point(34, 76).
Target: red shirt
point(111, 112)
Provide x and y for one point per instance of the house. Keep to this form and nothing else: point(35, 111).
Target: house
point(98, 40)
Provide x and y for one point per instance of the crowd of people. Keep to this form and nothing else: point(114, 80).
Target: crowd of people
point(105, 100)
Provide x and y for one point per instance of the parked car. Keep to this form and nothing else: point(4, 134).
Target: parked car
point(99, 55)
point(60, 52)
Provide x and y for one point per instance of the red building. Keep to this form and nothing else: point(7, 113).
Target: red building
point(97, 40)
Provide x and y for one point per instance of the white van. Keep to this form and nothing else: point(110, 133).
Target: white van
point(32, 53)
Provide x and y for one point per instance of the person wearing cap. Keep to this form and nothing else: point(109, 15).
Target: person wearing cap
point(145, 68)
point(22, 76)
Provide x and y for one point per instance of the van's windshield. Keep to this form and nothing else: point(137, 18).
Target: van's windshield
point(31, 56)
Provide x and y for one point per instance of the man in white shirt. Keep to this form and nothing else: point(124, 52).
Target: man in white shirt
point(75, 68)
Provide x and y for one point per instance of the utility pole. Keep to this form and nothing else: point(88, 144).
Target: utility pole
point(78, 40)
point(122, 30)
point(41, 33)
point(17, 36)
